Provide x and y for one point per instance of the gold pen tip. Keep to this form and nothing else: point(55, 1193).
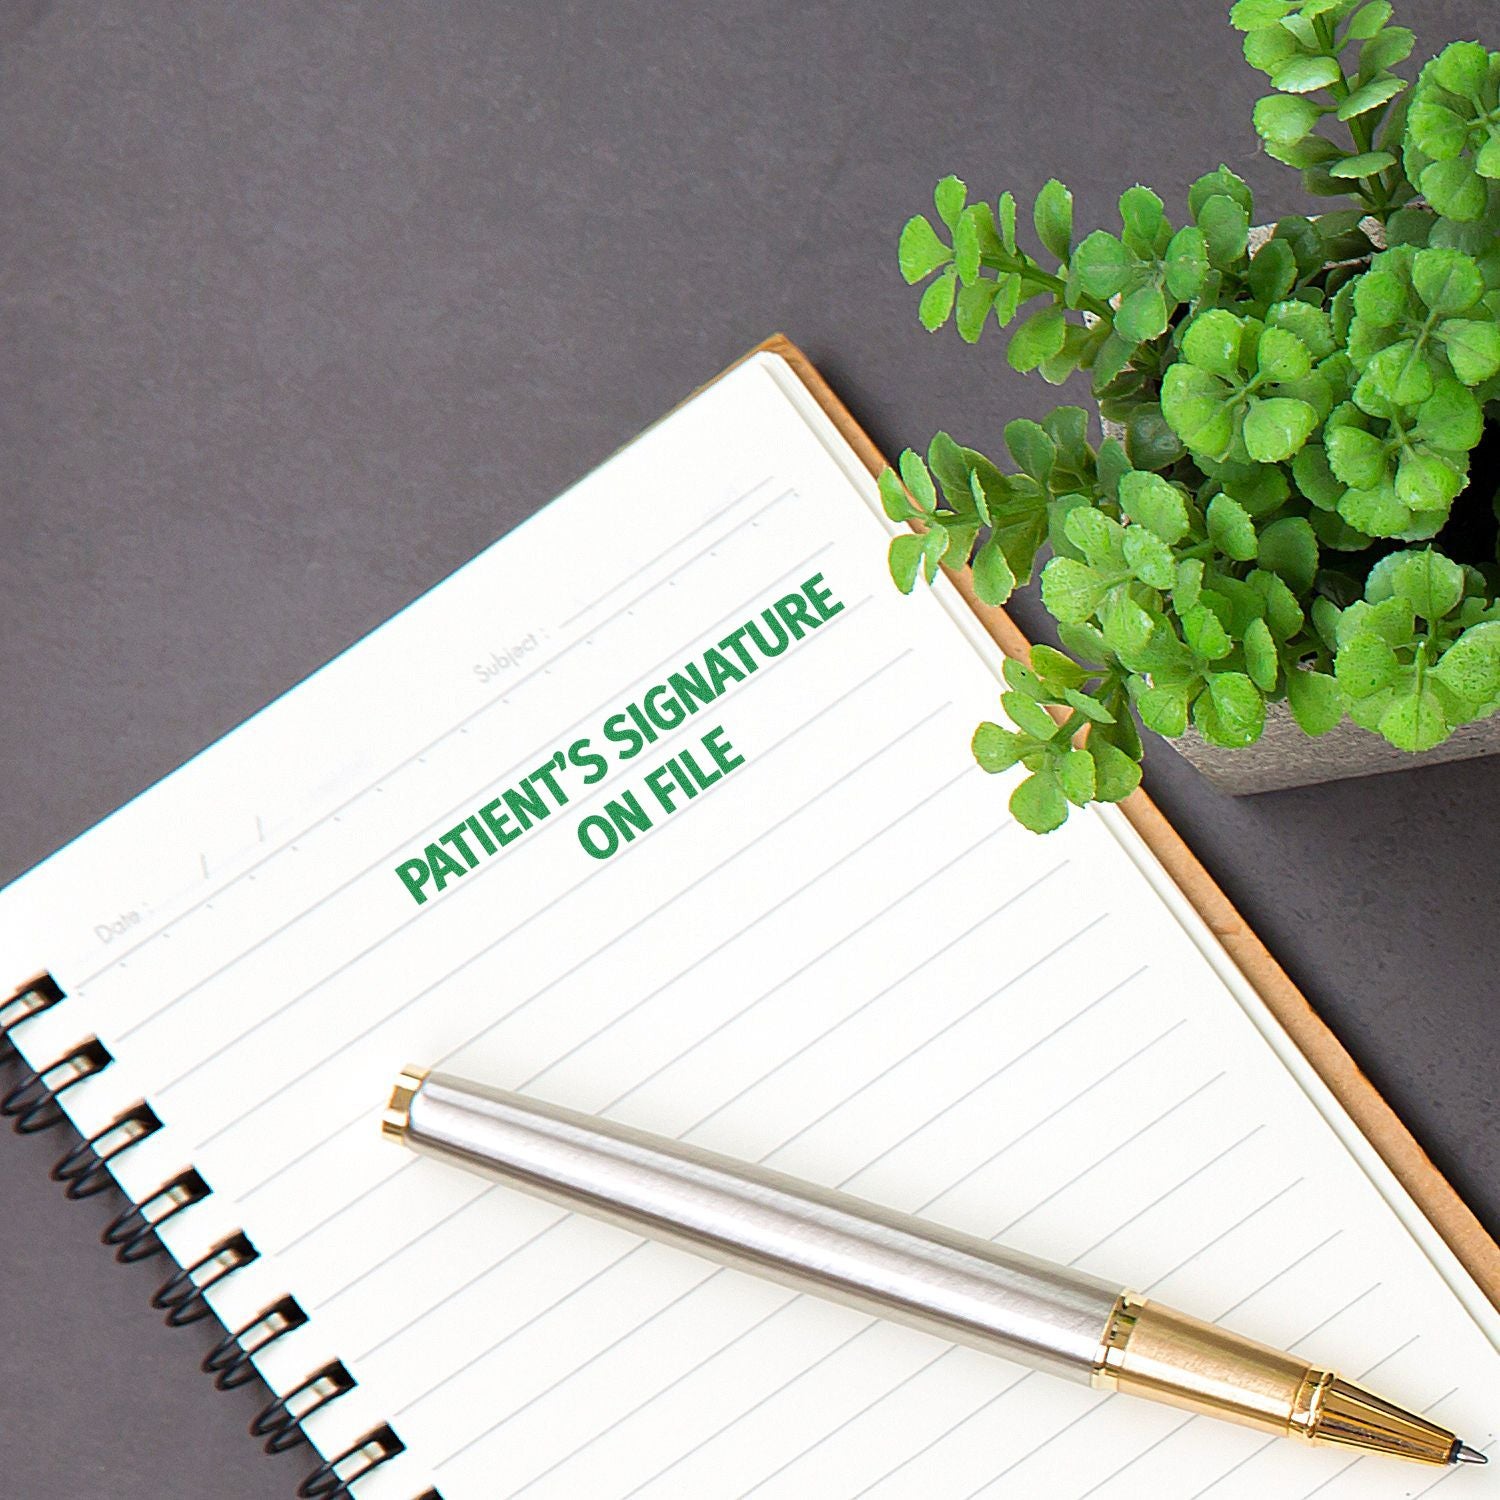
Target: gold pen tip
point(1464, 1454)
point(397, 1116)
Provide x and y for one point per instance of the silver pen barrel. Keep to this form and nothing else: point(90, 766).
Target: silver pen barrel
point(891, 1265)
point(813, 1239)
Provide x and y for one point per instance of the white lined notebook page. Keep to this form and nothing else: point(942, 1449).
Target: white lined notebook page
point(841, 959)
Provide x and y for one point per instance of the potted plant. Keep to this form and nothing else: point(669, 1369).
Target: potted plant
point(1292, 517)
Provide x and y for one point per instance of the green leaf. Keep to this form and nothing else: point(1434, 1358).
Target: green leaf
point(1470, 667)
point(918, 481)
point(1006, 210)
point(1473, 348)
point(1276, 428)
point(1261, 659)
point(1269, 46)
point(1126, 625)
point(1164, 709)
point(1029, 716)
point(1357, 457)
point(1368, 20)
point(997, 749)
point(894, 499)
point(1238, 706)
point(1282, 612)
point(1289, 549)
point(906, 561)
point(1454, 189)
point(1428, 581)
point(1393, 44)
point(1462, 68)
point(1315, 699)
point(921, 252)
point(1226, 229)
point(1142, 314)
point(1039, 804)
point(1451, 417)
point(1281, 355)
point(949, 198)
point(1232, 530)
point(1075, 774)
point(994, 582)
point(1024, 681)
point(1189, 584)
point(1380, 298)
point(1056, 669)
point(974, 304)
point(1415, 721)
point(1285, 118)
point(1212, 343)
point(1053, 217)
point(1150, 501)
point(1366, 164)
point(1149, 558)
point(937, 301)
point(1031, 448)
point(1205, 636)
point(1071, 590)
point(1101, 264)
point(1448, 281)
point(1273, 271)
point(1142, 219)
point(1197, 405)
point(1150, 442)
point(1221, 181)
point(1037, 339)
point(1371, 96)
point(1091, 708)
point(1365, 665)
point(1251, 15)
point(1427, 482)
point(1116, 774)
point(1186, 263)
point(1302, 75)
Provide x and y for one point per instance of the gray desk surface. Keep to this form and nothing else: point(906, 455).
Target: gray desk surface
point(303, 305)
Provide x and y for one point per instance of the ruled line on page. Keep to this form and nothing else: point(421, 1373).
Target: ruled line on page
point(1156, 1202)
point(839, 943)
point(671, 1385)
point(671, 658)
point(910, 974)
point(676, 542)
point(1003, 1068)
point(943, 1436)
point(478, 875)
point(642, 1242)
point(843, 1426)
point(1114, 1071)
point(801, 1374)
point(909, 811)
point(473, 957)
point(1202, 1249)
point(1182, 1265)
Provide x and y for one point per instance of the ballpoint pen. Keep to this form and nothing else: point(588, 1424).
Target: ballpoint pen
point(954, 1285)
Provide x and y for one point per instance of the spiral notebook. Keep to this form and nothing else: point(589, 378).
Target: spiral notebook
point(663, 807)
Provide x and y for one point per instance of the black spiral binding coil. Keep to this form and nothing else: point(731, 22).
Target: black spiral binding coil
point(84, 1170)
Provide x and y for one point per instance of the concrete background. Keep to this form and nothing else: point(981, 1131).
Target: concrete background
point(305, 304)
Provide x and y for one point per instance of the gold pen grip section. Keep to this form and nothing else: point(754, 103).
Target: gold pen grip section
point(1154, 1351)
point(1157, 1352)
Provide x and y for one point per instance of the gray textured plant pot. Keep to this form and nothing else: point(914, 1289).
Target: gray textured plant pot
point(1284, 756)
